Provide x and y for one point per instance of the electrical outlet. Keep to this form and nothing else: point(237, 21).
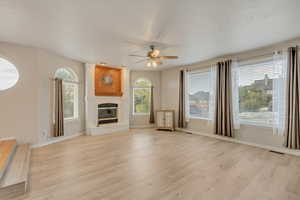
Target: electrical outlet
point(45, 133)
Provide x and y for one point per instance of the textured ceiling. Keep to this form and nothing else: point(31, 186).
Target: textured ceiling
point(110, 30)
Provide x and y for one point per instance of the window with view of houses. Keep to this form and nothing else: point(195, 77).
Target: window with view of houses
point(198, 94)
point(256, 92)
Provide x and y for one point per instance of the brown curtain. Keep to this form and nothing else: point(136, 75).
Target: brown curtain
point(292, 129)
point(224, 109)
point(181, 111)
point(152, 119)
point(59, 109)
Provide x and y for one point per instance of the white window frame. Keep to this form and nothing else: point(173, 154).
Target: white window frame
point(133, 100)
point(12, 74)
point(190, 74)
point(74, 83)
point(253, 123)
point(75, 104)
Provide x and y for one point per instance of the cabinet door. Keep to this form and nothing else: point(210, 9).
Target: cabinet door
point(169, 119)
point(160, 119)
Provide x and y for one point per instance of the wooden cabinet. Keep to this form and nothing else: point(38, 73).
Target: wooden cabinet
point(165, 119)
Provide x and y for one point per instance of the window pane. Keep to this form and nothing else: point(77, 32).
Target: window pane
point(199, 94)
point(255, 92)
point(69, 95)
point(141, 100)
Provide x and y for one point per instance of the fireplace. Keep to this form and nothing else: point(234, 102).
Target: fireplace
point(107, 113)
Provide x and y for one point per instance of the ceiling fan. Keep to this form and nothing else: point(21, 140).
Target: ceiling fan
point(153, 58)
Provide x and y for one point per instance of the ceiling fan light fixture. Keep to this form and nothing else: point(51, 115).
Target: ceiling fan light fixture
point(155, 53)
point(153, 58)
point(154, 64)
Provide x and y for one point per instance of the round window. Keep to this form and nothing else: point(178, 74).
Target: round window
point(9, 74)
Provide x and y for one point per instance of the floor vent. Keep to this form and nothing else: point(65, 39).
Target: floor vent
point(277, 152)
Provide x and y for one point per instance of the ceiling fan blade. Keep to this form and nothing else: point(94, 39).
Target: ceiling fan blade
point(168, 57)
point(138, 56)
point(141, 61)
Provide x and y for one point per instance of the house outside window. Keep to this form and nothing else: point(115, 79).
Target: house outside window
point(256, 83)
point(198, 94)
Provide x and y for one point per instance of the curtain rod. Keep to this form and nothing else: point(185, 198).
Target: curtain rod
point(257, 56)
point(219, 59)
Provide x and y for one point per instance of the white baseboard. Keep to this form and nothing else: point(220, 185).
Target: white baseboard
point(55, 140)
point(271, 148)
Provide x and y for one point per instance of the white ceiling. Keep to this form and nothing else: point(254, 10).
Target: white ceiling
point(110, 30)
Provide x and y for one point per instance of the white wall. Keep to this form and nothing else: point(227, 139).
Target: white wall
point(248, 133)
point(26, 108)
point(141, 121)
point(18, 105)
point(47, 65)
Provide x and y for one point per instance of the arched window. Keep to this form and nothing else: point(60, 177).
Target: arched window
point(142, 96)
point(9, 74)
point(70, 92)
point(142, 82)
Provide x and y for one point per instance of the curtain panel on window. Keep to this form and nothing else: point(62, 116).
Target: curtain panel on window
point(223, 108)
point(152, 118)
point(279, 92)
point(182, 100)
point(235, 94)
point(292, 130)
point(212, 94)
point(59, 109)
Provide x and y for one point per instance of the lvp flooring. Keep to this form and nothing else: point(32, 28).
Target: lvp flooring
point(152, 165)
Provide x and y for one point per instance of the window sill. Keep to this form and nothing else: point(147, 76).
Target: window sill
point(202, 118)
point(249, 123)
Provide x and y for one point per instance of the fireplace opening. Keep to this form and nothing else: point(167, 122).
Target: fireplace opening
point(107, 113)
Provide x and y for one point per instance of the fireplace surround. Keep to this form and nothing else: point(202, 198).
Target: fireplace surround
point(93, 102)
point(107, 113)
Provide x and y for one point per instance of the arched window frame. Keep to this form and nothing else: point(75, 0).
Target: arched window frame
point(13, 74)
point(70, 83)
point(141, 88)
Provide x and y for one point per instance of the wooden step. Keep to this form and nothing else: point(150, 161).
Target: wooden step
point(7, 150)
point(15, 180)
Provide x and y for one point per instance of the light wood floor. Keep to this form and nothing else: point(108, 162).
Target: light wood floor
point(144, 164)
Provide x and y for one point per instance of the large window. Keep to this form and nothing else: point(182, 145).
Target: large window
point(198, 94)
point(141, 97)
point(256, 83)
point(70, 92)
